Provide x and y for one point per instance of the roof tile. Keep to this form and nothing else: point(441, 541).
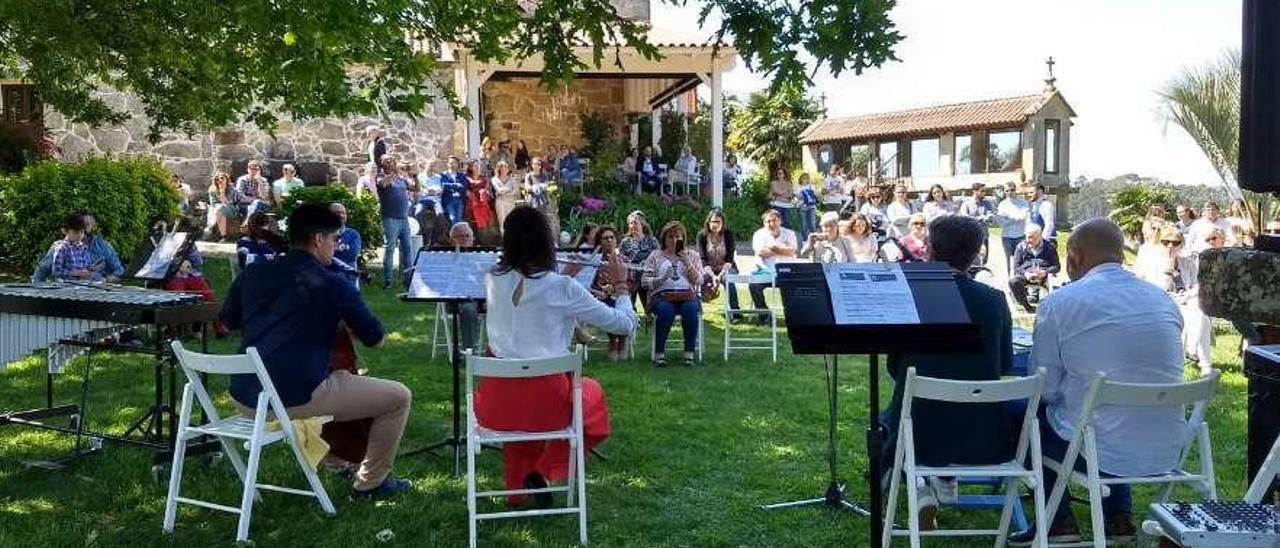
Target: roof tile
point(991, 113)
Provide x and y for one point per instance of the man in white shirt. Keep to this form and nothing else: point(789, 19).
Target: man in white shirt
point(1011, 215)
point(1042, 213)
point(771, 243)
point(1210, 218)
point(1107, 321)
point(286, 184)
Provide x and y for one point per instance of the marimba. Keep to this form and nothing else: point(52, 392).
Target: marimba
point(69, 319)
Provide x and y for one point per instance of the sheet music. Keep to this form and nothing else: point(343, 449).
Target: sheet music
point(448, 274)
point(870, 294)
point(157, 265)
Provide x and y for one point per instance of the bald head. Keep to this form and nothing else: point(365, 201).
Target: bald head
point(1092, 243)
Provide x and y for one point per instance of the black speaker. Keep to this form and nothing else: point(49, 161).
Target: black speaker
point(1260, 97)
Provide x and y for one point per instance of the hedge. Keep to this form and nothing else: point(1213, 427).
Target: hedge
point(362, 212)
point(125, 196)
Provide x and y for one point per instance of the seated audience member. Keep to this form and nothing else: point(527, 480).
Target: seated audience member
point(771, 243)
point(647, 168)
point(900, 211)
point(261, 243)
point(916, 240)
point(101, 255)
point(673, 276)
point(828, 246)
point(570, 167)
point(686, 168)
point(948, 433)
point(635, 248)
point(586, 238)
point(938, 203)
point(1110, 322)
point(224, 201)
point(716, 249)
point(1033, 262)
point(254, 189)
point(866, 249)
point(71, 258)
point(290, 309)
point(532, 314)
point(285, 185)
point(349, 242)
point(874, 208)
point(610, 283)
point(427, 210)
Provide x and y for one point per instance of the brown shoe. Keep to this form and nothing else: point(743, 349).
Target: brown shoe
point(1120, 528)
point(1060, 531)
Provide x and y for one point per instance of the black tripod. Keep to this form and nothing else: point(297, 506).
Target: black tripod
point(835, 496)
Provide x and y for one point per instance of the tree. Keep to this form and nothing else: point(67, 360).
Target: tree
point(196, 64)
point(767, 128)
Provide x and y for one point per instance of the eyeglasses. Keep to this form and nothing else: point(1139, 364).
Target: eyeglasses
point(1171, 243)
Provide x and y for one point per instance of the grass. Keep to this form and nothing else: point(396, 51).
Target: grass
point(694, 452)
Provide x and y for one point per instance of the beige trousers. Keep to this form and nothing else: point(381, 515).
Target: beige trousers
point(347, 397)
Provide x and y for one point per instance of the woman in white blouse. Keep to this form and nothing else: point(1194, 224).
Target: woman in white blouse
point(865, 247)
point(673, 275)
point(938, 203)
point(532, 312)
point(506, 189)
point(900, 210)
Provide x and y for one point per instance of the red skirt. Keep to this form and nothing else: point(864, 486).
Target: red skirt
point(478, 208)
point(198, 285)
point(539, 404)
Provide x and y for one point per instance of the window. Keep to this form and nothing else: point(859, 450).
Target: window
point(1004, 151)
point(924, 157)
point(964, 154)
point(1051, 146)
point(824, 158)
point(21, 104)
point(859, 157)
point(888, 160)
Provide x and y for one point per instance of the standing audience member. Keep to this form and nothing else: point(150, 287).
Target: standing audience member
point(1152, 223)
point(770, 243)
point(828, 246)
point(610, 283)
point(950, 433)
point(539, 189)
point(1033, 263)
point(938, 203)
point(672, 277)
point(506, 190)
point(833, 194)
point(1042, 212)
point(1177, 273)
point(453, 192)
point(781, 196)
point(368, 181)
point(1011, 215)
point(374, 146)
point(715, 250)
point(1210, 219)
point(731, 175)
point(899, 211)
point(862, 240)
point(223, 204)
point(349, 243)
point(1107, 321)
point(479, 198)
point(807, 199)
point(427, 209)
point(1186, 216)
point(532, 314)
point(290, 310)
point(636, 247)
point(260, 242)
point(978, 206)
point(285, 185)
point(523, 160)
point(393, 208)
point(916, 241)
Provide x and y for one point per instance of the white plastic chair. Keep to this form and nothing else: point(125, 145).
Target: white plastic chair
point(441, 327)
point(478, 436)
point(253, 432)
point(748, 343)
point(1014, 471)
point(1101, 393)
point(653, 341)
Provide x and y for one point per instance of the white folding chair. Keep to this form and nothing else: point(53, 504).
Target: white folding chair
point(575, 488)
point(732, 342)
point(440, 327)
point(631, 347)
point(1014, 471)
point(653, 341)
point(253, 432)
point(1102, 392)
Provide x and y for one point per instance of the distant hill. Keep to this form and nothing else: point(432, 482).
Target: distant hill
point(1090, 199)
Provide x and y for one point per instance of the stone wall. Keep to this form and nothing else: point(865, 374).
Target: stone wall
point(521, 109)
point(332, 141)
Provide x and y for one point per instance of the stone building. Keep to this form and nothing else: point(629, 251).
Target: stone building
point(509, 103)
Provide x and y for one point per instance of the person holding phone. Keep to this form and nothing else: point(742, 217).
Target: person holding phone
point(672, 276)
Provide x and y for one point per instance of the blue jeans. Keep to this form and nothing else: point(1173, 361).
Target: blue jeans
point(1054, 447)
point(1010, 245)
point(690, 311)
point(807, 221)
point(453, 210)
point(397, 232)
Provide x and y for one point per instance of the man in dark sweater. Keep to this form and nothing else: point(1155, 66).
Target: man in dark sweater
point(1034, 260)
point(289, 309)
point(949, 433)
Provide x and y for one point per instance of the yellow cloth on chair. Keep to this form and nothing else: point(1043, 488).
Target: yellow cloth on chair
point(314, 448)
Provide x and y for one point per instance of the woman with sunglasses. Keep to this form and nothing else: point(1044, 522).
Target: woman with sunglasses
point(916, 242)
point(1177, 272)
point(873, 206)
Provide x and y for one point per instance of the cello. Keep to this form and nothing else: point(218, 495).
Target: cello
point(347, 440)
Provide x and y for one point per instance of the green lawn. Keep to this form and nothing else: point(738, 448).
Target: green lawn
point(694, 452)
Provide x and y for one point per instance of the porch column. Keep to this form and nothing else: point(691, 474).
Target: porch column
point(717, 142)
point(655, 120)
point(635, 134)
point(474, 79)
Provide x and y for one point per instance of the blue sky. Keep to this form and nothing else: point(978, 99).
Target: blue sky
point(1112, 56)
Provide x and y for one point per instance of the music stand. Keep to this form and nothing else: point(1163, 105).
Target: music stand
point(453, 277)
point(942, 326)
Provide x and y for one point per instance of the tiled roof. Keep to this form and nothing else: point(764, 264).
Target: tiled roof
point(991, 113)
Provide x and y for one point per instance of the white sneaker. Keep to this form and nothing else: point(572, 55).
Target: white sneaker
point(946, 490)
point(926, 506)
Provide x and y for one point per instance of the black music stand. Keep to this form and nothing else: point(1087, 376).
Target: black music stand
point(423, 289)
point(944, 327)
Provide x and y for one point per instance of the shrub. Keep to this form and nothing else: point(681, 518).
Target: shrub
point(123, 195)
point(1129, 206)
point(362, 212)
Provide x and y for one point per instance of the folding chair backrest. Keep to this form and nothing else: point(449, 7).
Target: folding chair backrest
point(518, 369)
point(749, 279)
point(929, 388)
point(1158, 395)
point(249, 363)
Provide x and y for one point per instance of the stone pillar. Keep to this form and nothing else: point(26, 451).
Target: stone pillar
point(635, 134)
point(717, 142)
